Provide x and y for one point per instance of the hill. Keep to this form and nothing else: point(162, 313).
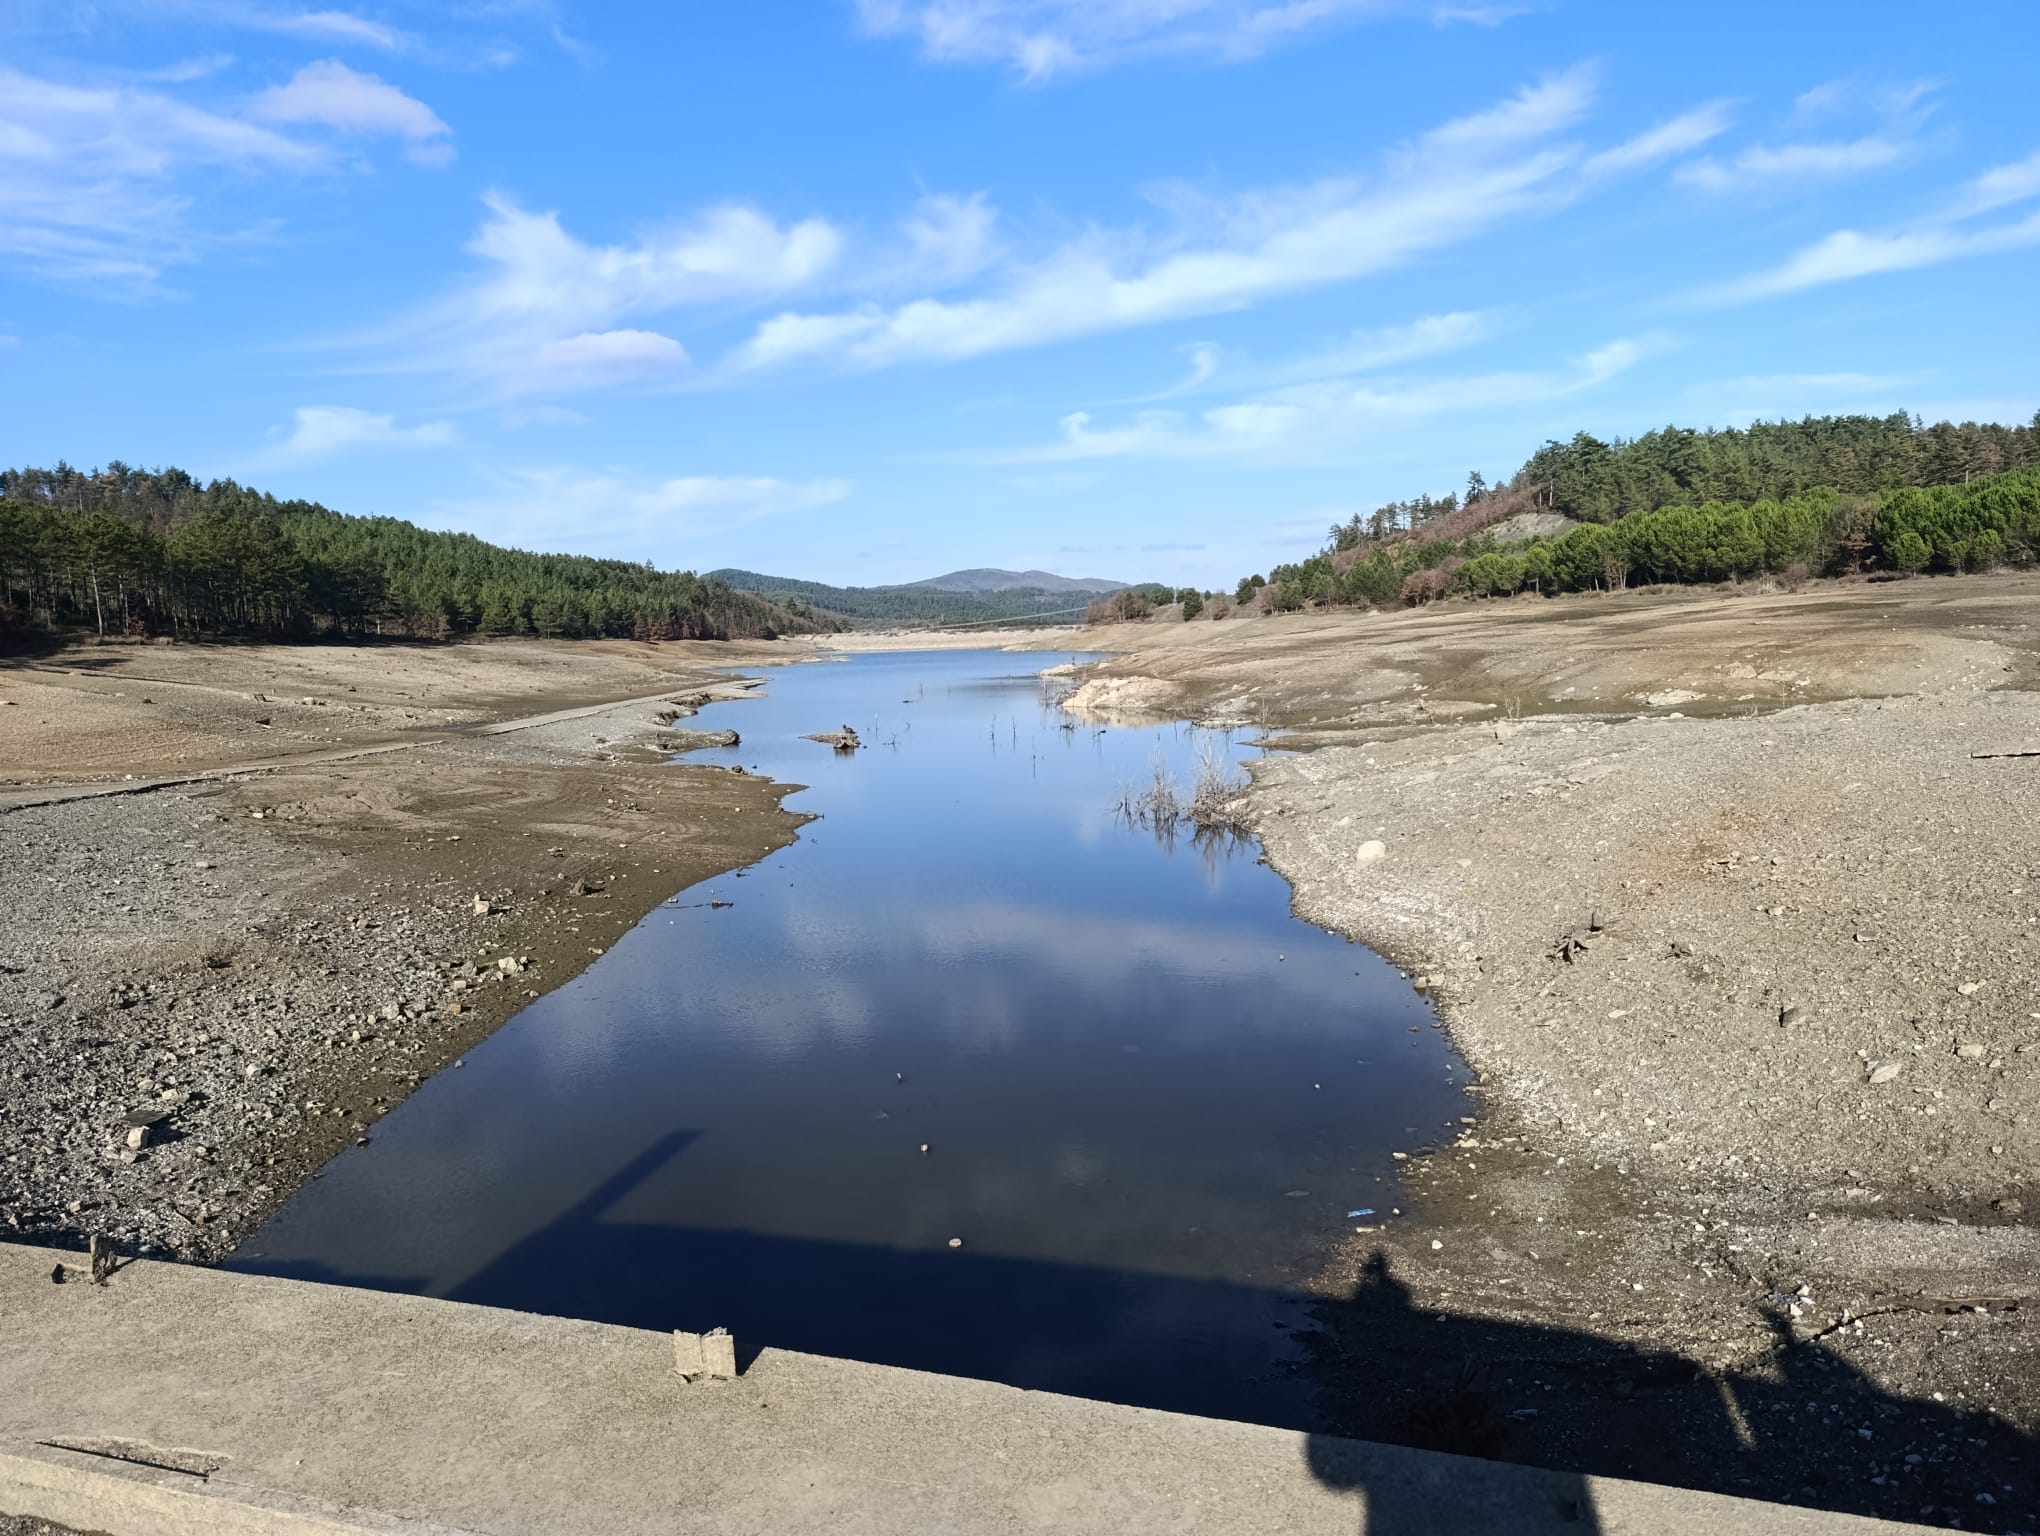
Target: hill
point(983, 579)
point(919, 603)
point(1825, 495)
point(143, 552)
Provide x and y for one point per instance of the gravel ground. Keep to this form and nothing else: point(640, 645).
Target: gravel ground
point(1752, 996)
point(28, 1525)
point(265, 965)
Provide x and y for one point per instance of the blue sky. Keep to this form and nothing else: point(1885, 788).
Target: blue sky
point(862, 290)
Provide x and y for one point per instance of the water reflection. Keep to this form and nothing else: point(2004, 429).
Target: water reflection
point(1147, 1094)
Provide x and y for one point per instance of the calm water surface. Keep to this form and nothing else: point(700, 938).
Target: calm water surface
point(1149, 1095)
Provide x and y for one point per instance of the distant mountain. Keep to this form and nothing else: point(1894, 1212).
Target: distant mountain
point(984, 580)
point(992, 599)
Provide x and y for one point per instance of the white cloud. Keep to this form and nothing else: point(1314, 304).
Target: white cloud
point(332, 95)
point(1999, 187)
point(1477, 15)
point(1327, 419)
point(950, 239)
point(90, 176)
point(327, 27)
point(1459, 180)
point(1361, 352)
point(1761, 165)
point(184, 71)
point(537, 272)
point(1043, 38)
point(545, 309)
point(99, 181)
point(321, 431)
point(324, 26)
point(1367, 350)
point(1848, 254)
point(1674, 137)
point(595, 358)
point(1951, 235)
point(627, 516)
point(1901, 111)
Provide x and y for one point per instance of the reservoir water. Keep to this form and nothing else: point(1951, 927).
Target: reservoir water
point(1150, 1098)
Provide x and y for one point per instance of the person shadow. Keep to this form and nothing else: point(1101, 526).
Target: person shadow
point(1514, 1421)
point(1800, 1425)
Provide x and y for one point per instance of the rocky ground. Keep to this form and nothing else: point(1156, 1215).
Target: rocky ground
point(261, 963)
point(1748, 966)
point(28, 1525)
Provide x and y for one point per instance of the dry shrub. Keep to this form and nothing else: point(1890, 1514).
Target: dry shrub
point(1214, 797)
point(1426, 586)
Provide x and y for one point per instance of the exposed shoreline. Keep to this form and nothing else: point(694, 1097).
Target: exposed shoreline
point(282, 945)
point(1776, 1110)
point(1668, 1187)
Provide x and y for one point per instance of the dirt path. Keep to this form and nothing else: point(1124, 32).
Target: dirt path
point(1743, 940)
point(303, 920)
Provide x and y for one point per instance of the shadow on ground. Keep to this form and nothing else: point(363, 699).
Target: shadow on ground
point(1804, 1426)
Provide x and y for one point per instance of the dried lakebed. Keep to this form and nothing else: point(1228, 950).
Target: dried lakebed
point(975, 1077)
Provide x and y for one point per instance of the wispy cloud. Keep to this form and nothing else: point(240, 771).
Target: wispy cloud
point(1457, 181)
point(1901, 112)
point(1763, 164)
point(325, 25)
point(99, 180)
point(1999, 188)
point(1327, 418)
point(324, 431)
point(627, 516)
point(1773, 395)
point(1045, 38)
point(1675, 136)
point(1952, 234)
point(322, 26)
point(92, 176)
point(1362, 351)
point(1477, 15)
point(332, 95)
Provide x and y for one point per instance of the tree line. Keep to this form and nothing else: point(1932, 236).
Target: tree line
point(1598, 482)
point(128, 551)
point(1821, 496)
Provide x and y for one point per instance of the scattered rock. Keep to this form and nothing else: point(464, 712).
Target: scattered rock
point(1885, 1071)
point(1373, 851)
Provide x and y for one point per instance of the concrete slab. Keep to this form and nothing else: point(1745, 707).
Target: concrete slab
point(309, 1410)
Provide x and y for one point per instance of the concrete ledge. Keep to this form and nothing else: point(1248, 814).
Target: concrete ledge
point(327, 1411)
point(92, 1493)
